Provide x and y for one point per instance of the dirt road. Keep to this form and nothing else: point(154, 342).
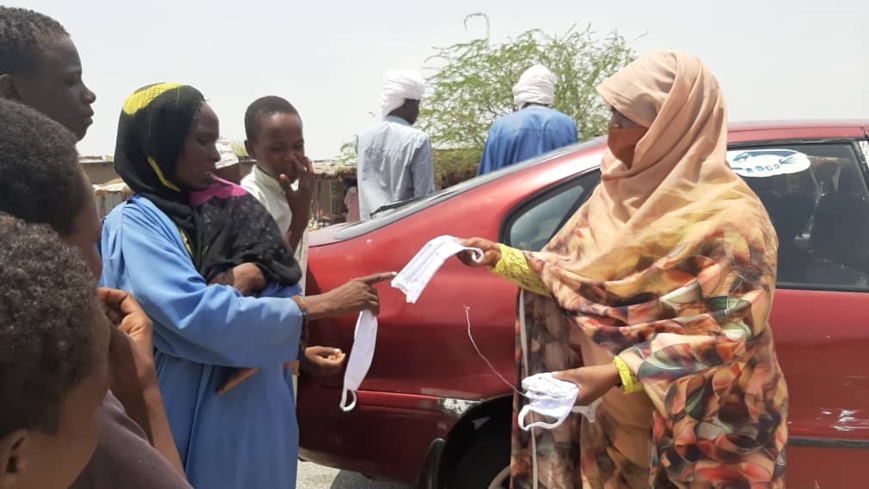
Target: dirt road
point(312, 476)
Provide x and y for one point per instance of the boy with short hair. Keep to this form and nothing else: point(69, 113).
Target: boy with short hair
point(40, 67)
point(283, 177)
point(282, 181)
point(54, 343)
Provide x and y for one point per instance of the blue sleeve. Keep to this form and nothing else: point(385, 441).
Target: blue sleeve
point(423, 170)
point(561, 133)
point(488, 162)
point(213, 325)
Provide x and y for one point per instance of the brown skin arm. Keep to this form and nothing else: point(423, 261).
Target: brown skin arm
point(350, 298)
point(299, 200)
point(296, 231)
point(247, 278)
point(593, 381)
point(134, 378)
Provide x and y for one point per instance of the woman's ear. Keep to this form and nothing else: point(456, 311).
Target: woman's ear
point(12, 459)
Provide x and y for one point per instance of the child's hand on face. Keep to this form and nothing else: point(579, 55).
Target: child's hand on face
point(300, 200)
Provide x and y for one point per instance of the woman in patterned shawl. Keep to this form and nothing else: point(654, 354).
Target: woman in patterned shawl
point(656, 297)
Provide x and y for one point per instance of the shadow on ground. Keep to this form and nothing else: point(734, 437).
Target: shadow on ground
point(350, 480)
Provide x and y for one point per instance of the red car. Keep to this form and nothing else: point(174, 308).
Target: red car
point(432, 412)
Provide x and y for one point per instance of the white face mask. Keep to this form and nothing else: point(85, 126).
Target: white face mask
point(416, 275)
point(361, 355)
point(552, 398)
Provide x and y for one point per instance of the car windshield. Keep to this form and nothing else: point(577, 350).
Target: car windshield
point(399, 210)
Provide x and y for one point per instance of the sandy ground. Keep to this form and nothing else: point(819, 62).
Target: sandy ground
point(312, 476)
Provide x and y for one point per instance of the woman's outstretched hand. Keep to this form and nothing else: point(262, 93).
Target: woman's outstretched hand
point(491, 253)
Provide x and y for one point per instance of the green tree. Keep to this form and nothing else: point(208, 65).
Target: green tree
point(239, 149)
point(473, 81)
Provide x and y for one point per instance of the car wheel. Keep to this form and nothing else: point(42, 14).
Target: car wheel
point(486, 464)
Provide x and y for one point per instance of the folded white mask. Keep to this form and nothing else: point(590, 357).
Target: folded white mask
point(416, 275)
point(361, 355)
point(552, 398)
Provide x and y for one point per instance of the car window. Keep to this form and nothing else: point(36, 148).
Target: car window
point(817, 199)
point(536, 221)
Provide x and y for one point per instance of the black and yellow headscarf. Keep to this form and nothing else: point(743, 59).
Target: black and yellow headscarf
point(226, 230)
point(154, 124)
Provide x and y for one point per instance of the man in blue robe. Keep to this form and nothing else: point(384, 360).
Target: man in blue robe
point(534, 129)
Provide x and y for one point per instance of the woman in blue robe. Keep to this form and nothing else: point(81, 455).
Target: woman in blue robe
point(173, 253)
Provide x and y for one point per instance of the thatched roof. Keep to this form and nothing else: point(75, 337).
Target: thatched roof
point(335, 169)
point(331, 169)
point(112, 186)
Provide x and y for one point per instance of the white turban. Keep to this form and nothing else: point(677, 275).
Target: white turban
point(227, 154)
point(535, 86)
point(398, 86)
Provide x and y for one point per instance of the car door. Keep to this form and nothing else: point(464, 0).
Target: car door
point(821, 215)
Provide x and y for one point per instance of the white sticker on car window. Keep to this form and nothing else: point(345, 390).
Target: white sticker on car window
point(758, 163)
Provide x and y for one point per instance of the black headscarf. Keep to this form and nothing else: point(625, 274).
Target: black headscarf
point(223, 226)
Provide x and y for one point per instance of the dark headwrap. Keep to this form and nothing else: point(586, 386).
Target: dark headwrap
point(223, 226)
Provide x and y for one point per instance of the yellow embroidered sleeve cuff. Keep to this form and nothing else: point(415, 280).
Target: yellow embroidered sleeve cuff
point(630, 382)
point(514, 267)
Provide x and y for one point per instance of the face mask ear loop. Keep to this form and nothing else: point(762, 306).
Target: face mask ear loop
point(344, 406)
point(590, 411)
point(541, 424)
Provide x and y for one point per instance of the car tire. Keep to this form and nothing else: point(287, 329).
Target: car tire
point(486, 464)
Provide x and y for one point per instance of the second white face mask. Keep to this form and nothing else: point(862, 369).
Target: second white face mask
point(416, 275)
point(552, 398)
point(361, 355)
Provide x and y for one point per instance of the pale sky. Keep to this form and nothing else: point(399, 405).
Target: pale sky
point(775, 59)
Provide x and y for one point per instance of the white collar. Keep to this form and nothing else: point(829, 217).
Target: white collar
point(267, 180)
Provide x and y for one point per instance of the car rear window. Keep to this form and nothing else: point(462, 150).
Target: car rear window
point(820, 209)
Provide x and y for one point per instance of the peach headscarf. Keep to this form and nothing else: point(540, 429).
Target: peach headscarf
point(679, 167)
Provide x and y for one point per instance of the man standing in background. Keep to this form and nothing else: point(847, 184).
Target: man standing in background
point(394, 160)
point(534, 129)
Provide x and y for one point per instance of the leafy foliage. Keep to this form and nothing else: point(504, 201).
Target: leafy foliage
point(239, 149)
point(473, 85)
point(473, 82)
point(452, 166)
